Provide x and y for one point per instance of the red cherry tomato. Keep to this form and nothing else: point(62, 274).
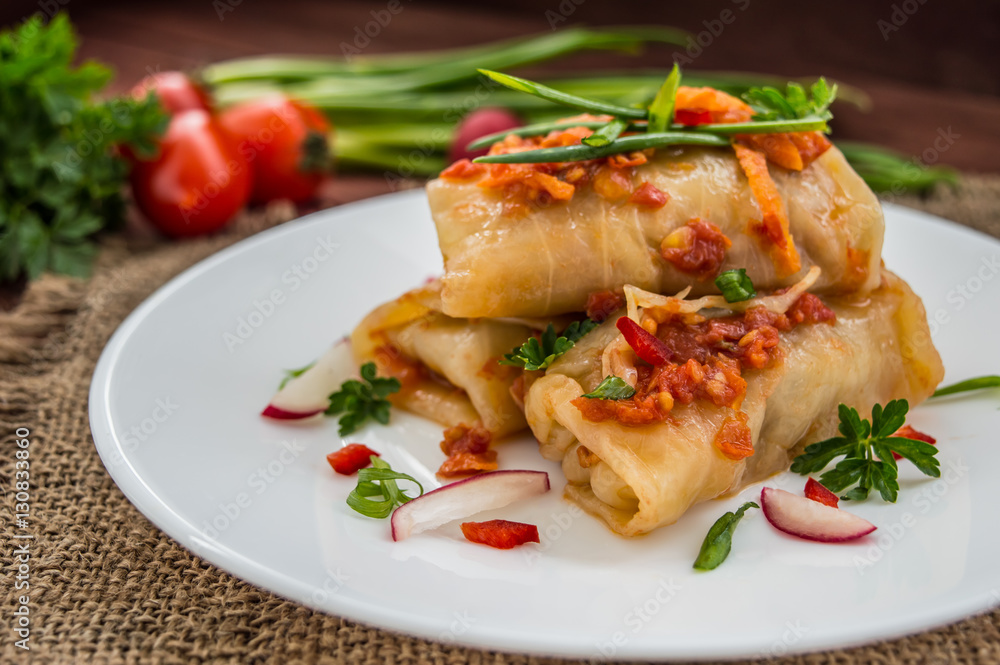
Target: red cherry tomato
point(176, 91)
point(197, 183)
point(285, 143)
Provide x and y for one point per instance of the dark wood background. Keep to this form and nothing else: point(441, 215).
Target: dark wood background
point(930, 66)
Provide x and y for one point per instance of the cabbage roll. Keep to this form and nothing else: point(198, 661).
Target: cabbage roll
point(546, 258)
point(708, 442)
point(448, 367)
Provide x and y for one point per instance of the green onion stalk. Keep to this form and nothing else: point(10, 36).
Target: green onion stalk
point(397, 113)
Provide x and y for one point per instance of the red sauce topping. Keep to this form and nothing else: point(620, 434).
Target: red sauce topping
point(463, 169)
point(708, 358)
point(601, 304)
point(392, 362)
point(692, 117)
point(468, 451)
point(698, 249)
point(649, 196)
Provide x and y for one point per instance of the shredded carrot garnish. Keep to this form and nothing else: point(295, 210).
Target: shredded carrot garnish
point(773, 225)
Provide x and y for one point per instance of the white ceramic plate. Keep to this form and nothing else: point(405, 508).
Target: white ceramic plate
point(174, 410)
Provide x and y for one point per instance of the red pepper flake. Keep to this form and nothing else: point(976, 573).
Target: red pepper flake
point(908, 432)
point(645, 345)
point(501, 534)
point(817, 492)
point(463, 169)
point(692, 117)
point(351, 458)
point(602, 304)
point(649, 196)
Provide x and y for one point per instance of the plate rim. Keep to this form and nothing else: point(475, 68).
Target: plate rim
point(232, 562)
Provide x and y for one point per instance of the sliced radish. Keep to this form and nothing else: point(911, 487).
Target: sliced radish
point(805, 518)
point(309, 393)
point(465, 498)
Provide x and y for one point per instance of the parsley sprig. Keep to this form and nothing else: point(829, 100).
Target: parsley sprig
point(360, 400)
point(794, 104)
point(535, 354)
point(867, 449)
point(613, 388)
point(60, 176)
point(379, 481)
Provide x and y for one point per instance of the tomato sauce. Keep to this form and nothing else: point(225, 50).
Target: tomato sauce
point(697, 249)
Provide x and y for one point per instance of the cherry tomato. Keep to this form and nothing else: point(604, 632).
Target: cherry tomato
point(197, 183)
point(285, 143)
point(177, 92)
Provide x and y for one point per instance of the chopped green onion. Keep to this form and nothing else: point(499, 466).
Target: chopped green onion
point(553, 95)
point(735, 285)
point(978, 383)
point(607, 133)
point(719, 540)
point(612, 387)
point(661, 111)
point(379, 481)
point(576, 153)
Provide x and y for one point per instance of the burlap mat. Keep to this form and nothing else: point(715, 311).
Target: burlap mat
point(106, 586)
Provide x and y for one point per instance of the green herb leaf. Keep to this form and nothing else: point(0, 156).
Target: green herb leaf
point(612, 387)
point(379, 481)
point(292, 373)
point(735, 285)
point(771, 104)
point(360, 400)
point(978, 383)
point(719, 540)
point(535, 354)
point(606, 133)
point(61, 177)
point(867, 449)
point(661, 111)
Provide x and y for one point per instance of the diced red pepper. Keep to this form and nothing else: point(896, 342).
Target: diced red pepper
point(818, 492)
point(601, 304)
point(500, 534)
point(646, 346)
point(351, 458)
point(692, 117)
point(649, 196)
point(908, 432)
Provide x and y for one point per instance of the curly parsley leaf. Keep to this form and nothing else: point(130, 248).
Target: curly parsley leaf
point(379, 481)
point(360, 400)
point(794, 104)
point(540, 353)
point(612, 387)
point(719, 540)
point(867, 448)
point(61, 177)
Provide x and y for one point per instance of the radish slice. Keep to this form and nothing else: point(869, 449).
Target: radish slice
point(465, 498)
point(309, 393)
point(805, 518)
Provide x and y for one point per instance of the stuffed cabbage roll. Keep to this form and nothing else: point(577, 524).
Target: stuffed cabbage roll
point(537, 239)
point(743, 393)
point(448, 368)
